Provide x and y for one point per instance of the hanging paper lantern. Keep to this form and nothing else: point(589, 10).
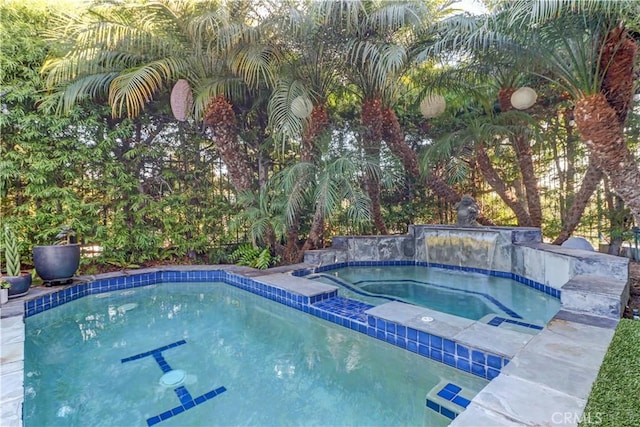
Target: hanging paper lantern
point(301, 107)
point(181, 100)
point(523, 98)
point(432, 106)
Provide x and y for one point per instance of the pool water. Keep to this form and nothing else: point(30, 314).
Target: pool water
point(245, 360)
point(470, 295)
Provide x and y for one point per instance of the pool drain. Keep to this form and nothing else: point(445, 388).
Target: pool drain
point(174, 378)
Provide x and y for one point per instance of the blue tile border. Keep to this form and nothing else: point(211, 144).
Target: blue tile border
point(151, 352)
point(497, 321)
point(451, 393)
point(488, 297)
point(186, 400)
point(450, 352)
point(551, 291)
point(327, 306)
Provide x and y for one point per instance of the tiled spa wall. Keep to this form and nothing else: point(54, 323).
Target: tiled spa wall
point(516, 252)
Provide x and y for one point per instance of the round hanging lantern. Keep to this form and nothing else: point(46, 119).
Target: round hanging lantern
point(301, 107)
point(181, 100)
point(523, 98)
point(432, 106)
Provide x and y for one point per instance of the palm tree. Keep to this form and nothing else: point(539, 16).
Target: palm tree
point(476, 133)
point(329, 186)
point(601, 81)
point(586, 48)
point(379, 57)
point(128, 54)
point(308, 73)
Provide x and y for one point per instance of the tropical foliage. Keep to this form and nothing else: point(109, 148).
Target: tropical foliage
point(172, 130)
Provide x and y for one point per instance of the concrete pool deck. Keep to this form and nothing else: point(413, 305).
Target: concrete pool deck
point(546, 382)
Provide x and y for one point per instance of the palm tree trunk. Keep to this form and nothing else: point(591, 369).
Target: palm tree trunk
point(394, 137)
point(599, 127)
point(498, 185)
point(529, 179)
point(372, 137)
point(318, 124)
point(618, 58)
point(315, 233)
point(592, 178)
point(308, 153)
point(222, 120)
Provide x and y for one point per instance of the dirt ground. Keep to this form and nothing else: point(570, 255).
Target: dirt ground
point(634, 278)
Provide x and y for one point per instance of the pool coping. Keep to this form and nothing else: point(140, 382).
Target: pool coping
point(522, 394)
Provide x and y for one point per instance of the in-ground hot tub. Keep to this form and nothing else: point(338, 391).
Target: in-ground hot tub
point(592, 287)
point(470, 295)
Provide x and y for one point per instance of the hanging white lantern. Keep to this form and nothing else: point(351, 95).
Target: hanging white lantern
point(523, 98)
point(301, 107)
point(432, 106)
point(181, 100)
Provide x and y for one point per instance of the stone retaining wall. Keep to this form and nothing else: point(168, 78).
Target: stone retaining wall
point(591, 282)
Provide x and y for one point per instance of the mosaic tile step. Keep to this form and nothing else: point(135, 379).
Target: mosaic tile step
point(448, 399)
point(345, 307)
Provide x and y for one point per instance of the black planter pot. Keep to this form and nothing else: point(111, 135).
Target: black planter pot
point(19, 284)
point(56, 263)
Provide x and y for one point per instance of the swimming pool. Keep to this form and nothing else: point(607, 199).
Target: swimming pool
point(470, 295)
point(245, 360)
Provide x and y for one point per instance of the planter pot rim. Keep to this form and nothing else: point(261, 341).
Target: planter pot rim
point(20, 285)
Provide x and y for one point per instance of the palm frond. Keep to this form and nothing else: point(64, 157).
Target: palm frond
point(232, 87)
point(131, 90)
point(296, 182)
point(284, 122)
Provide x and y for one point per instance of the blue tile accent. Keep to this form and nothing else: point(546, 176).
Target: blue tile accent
point(478, 357)
point(449, 346)
point(436, 342)
point(555, 293)
point(494, 361)
point(423, 338)
point(449, 359)
point(328, 306)
point(453, 388)
point(446, 394)
point(185, 405)
point(448, 413)
point(350, 309)
point(156, 350)
point(450, 392)
point(497, 321)
point(462, 351)
point(479, 370)
point(186, 401)
point(463, 365)
point(492, 373)
point(461, 401)
point(436, 355)
point(433, 405)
